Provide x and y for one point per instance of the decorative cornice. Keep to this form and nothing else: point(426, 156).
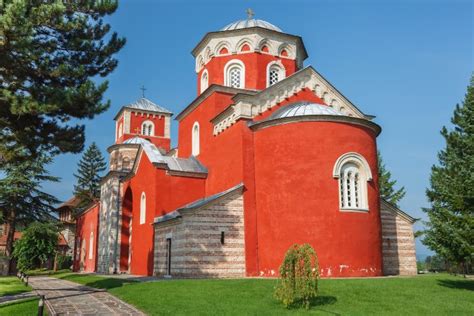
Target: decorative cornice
point(248, 106)
point(255, 126)
point(212, 88)
point(116, 146)
point(141, 111)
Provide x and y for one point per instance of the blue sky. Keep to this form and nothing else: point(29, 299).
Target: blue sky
point(407, 62)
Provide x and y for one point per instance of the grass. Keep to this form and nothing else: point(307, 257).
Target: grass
point(438, 294)
point(11, 286)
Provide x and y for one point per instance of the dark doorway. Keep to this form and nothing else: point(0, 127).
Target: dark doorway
point(126, 231)
point(168, 256)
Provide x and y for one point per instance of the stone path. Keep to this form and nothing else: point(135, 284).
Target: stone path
point(69, 298)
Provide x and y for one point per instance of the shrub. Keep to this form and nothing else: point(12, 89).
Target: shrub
point(299, 274)
point(64, 262)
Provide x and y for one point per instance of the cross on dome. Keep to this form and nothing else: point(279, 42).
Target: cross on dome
point(250, 13)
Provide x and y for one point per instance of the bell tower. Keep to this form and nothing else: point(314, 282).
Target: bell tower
point(145, 119)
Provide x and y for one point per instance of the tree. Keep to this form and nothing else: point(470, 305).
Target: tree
point(450, 230)
point(36, 246)
point(387, 185)
point(49, 53)
point(299, 274)
point(21, 197)
point(89, 171)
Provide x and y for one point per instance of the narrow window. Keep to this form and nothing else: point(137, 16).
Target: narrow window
point(143, 208)
point(204, 81)
point(120, 130)
point(148, 128)
point(275, 73)
point(234, 74)
point(195, 140)
point(168, 256)
point(91, 246)
point(222, 238)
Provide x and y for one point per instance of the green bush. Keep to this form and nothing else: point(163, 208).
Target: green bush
point(64, 262)
point(299, 274)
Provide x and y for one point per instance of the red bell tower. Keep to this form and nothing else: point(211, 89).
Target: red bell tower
point(145, 119)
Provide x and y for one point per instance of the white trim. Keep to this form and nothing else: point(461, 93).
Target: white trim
point(195, 139)
point(281, 70)
point(143, 208)
point(120, 130)
point(230, 64)
point(91, 245)
point(148, 124)
point(353, 172)
point(203, 85)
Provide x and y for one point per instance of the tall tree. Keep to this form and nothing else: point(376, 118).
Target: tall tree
point(387, 185)
point(88, 175)
point(450, 230)
point(49, 53)
point(21, 197)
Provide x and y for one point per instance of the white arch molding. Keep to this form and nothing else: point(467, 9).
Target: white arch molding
point(275, 72)
point(204, 80)
point(143, 208)
point(195, 141)
point(353, 172)
point(231, 79)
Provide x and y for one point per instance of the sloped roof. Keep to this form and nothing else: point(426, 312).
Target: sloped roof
point(393, 208)
point(196, 204)
point(246, 23)
point(147, 105)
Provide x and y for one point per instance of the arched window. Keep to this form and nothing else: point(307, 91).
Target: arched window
point(91, 245)
point(143, 208)
point(195, 139)
point(120, 130)
point(148, 128)
point(204, 80)
point(353, 172)
point(275, 73)
point(234, 74)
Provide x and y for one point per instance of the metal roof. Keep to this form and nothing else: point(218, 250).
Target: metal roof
point(196, 204)
point(175, 164)
point(303, 109)
point(146, 105)
point(243, 24)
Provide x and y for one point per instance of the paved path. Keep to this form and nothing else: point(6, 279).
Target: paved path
point(69, 298)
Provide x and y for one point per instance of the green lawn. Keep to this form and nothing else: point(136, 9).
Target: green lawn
point(438, 294)
point(11, 286)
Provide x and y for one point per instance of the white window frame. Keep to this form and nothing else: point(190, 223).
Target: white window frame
point(227, 69)
point(204, 80)
point(150, 126)
point(143, 208)
point(281, 71)
point(195, 139)
point(345, 169)
point(91, 246)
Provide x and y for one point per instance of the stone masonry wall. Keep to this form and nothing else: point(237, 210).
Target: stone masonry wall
point(196, 248)
point(398, 243)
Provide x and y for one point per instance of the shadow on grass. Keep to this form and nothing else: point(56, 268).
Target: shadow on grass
point(458, 284)
point(319, 301)
point(105, 283)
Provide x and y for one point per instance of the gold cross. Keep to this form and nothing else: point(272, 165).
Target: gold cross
point(137, 130)
point(250, 13)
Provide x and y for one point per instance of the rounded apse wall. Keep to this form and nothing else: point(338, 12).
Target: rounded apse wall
point(298, 197)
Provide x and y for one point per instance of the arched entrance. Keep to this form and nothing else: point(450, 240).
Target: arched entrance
point(126, 231)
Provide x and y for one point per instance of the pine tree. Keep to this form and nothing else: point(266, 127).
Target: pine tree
point(89, 172)
point(49, 53)
point(21, 197)
point(450, 230)
point(387, 185)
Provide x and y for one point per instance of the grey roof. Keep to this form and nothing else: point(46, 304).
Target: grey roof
point(175, 164)
point(391, 207)
point(303, 109)
point(243, 24)
point(196, 204)
point(146, 105)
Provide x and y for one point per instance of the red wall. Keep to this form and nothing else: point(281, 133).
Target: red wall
point(255, 69)
point(298, 198)
point(164, 193)
point(86, 223)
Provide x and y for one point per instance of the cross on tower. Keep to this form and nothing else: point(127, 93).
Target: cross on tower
point(137, 130)
point(250, 13)
point(143, 91)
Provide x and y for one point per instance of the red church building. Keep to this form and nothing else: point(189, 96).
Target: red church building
point(269, 154)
